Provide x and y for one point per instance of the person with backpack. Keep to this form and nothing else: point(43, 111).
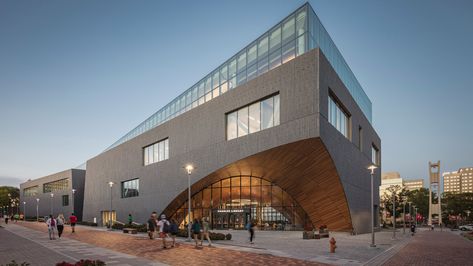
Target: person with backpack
point(250, 226)
point(196, 231)
point(205, 231)
point(130, 219)
point(164, 229)
point(73, 221)
point(52, 227)
point(151, 226)
point(60, 224)
point(174, 231)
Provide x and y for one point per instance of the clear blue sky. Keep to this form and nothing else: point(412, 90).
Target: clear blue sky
point(75, 76)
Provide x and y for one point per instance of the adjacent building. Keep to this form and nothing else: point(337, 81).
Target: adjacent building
point(413, 184)
point(460, 181)
point(60, 193)
point(279, 133)
point(389, 179)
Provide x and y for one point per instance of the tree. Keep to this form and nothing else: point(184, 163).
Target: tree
point(400, 197)
point(5, 199)
point(457, 204)
point(420, 199)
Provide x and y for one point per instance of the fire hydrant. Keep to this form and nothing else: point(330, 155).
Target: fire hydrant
point(332, 245)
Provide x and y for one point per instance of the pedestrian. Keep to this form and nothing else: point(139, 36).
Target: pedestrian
point(205, 231)
point(151, 226)
point(60, 224)
point(52, 228)
point(16, 217)
point(250, 226)
point(6, 219)
point(413, 229)
point(164, 229)
point(196, 231)
point(130, 219)
point(73, 221)
point(174, 231)
point(432, 227)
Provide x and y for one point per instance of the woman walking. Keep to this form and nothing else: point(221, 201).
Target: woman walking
point(205, 231)
point(60, 224)
point(51, 222)
point(196, 230)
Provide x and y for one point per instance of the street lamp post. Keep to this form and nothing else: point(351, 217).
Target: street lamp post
point(110, 220)
point(52, 207)
point(371, 168)
point(37, 210)
point(24, 210)
point(189, 169)
point(73, 198)
point(9, 204)
point(404, 218)
point(394, 214)
point(415, 217)
point(410, 214)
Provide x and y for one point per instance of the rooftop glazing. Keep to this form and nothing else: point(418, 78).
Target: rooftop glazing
point(298, 33)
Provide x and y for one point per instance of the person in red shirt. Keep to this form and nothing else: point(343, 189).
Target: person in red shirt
point(73, 221)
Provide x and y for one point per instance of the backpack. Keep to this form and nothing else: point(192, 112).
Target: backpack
point(166, 227)
point(174, 228)
point(248, 226)
point(53, 222)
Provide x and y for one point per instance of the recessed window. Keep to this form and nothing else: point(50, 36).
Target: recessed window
point(338, 117)
point(156, 152)
point(374, 154)
point(30, 191)
point(131, 188)
point(360, 138)
point(253, 118)
point(58, 185)
point(65, 200)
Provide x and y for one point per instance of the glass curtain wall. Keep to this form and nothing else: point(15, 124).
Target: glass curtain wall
point(298, 33)
point(30, 191)
point(230, 203)
point(58, 185)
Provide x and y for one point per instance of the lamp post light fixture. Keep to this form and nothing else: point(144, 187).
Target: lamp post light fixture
point(52, 207)
point(110, 220)
point(415, 217)
point(73, 198)
point(9, 204)
point(189, 168)
point(24, 210)
point(37, 210)
point(372, 168)
point(410, 214)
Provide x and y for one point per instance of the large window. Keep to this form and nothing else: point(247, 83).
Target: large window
point(30, 191)
point(156, 152)
point(58, 185)
point(338, 117)
point(65, 200)
point(374, 154)
point(131, 188)
point(253, 118)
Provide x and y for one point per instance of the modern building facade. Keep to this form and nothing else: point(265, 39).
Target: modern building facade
point(389, 179)
point(460, 181)
point(413, 184)
point(280, 133)
point(60, 193)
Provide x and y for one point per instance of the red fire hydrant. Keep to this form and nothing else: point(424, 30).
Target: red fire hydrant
point(332, 245)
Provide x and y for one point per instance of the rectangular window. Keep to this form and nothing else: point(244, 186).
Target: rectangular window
point(374, 154)
point(275, 39)
point(252, 54)
point(338, 117)
point(58, 185)
point(253, 118)
point(288, 51)
point(241, 61)
point(131, 188)
point(288, 30)
point(243, 122)
point(263, 47)
point(30, 191)
point(231, 125)
point(275, 59)
point(156, 152)
point(360, 138)
point(65, 200)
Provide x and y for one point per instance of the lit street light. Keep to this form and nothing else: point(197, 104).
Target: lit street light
point(371, 168)
point(37, 210)
point(24, 210)
point(52, 208)
point(189, 169)
point(110, 220)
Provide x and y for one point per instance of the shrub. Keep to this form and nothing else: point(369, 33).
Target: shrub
point(87, 223)
point(14, 263)
point(82, 263)
point(228, 236)
point(217, 236)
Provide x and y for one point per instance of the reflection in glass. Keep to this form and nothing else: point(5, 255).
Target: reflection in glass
point(267, 113)
point(231, 125)
point(254, 117)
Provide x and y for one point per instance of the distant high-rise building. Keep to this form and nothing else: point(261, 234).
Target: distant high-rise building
point(460, 181)
point(389, 179)
point(413, 184)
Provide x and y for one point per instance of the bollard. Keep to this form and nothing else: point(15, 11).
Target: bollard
point(332, 245)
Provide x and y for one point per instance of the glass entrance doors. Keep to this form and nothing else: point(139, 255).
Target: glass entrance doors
point(106, 217)
point(230, 218)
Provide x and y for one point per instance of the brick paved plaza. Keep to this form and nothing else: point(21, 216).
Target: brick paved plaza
point(115, 248)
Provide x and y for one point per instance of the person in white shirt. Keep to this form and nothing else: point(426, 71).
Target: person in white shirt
point(52, 227)
point(164, 229)
point(60, 224)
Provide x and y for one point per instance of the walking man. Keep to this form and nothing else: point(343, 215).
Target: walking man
point(164, 229)
point(250, 226)
point(205, 231)
point(130, 219)
point(73, 221)
point(196, 230)
point(52, 227)
point(151, 224)
point(60, 224)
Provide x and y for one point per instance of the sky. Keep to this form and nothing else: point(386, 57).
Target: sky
point(75, 76)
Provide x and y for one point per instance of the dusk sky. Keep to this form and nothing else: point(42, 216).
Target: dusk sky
point(75, 76)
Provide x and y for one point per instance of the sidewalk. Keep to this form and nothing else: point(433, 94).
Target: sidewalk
point(435, 248)
point(141, 247)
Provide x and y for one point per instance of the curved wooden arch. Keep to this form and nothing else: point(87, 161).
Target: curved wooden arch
point(304, 169)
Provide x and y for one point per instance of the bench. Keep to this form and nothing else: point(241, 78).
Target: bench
point(130, 230)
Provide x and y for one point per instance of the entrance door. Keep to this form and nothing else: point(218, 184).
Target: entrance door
point(106, 217)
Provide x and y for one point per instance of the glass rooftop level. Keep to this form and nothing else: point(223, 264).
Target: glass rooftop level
point(295, 35)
